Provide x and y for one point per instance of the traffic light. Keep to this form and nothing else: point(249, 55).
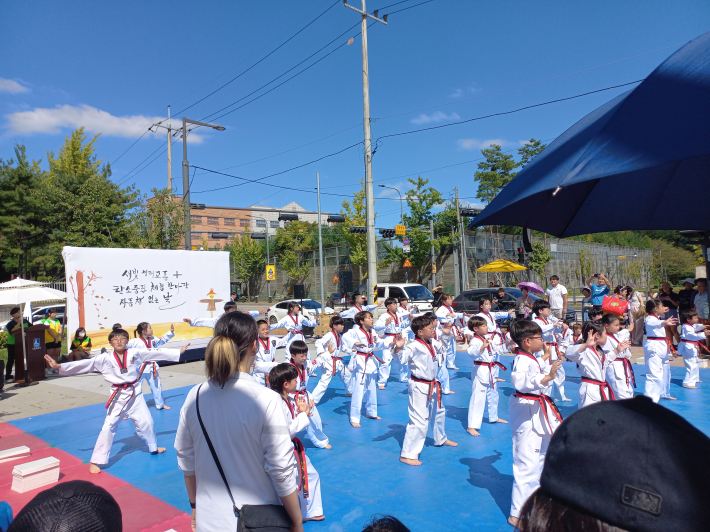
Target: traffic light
point(358, 229)
point(288, 217)
point(521, 255)
point(387, 233)
point(471, 213)
point(335, 218)
point(258, 236)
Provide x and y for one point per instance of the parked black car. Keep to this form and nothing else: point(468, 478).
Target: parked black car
point(467, 301)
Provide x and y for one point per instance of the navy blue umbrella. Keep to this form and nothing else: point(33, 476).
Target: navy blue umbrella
point(641, 161)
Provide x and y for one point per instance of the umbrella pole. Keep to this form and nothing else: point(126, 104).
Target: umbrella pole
point(24, 351)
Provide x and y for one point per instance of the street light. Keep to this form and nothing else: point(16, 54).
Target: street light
point(401, 203)
point(268, 261)
point(186, 175)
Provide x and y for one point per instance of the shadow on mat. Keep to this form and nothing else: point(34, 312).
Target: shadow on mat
point(130, 445)
point(461, 375)
point(330, 393)
point(151, 402)
point(482, 474)
point(397, 432)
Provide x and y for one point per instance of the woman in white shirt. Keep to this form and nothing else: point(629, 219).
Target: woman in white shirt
point(246, 425)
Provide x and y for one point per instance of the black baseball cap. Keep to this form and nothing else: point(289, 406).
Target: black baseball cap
point(75, 506)
point(632, 464)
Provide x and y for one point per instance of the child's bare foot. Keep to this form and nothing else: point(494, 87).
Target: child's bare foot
point(454, 367)
point(501, 421)
point(450, 443)
point(380, 387)
point(356, 425)
point(500, 380)
point(565, 399)
point(317, 518)
point(671, 398)
point(450, 392)
point(373, 417)
point(409, 461)
point(513, 521)
point(329, 446)
point(160, 450)
point(165, 407)
point(691, 387)
point(473, 432)
point(348, 395)
point(699, 381)
point(94, 469)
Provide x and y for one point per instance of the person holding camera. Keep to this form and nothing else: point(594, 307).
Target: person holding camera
point(598, 289)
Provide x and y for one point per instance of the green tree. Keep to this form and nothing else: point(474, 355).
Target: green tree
point(529, 151)
point(291, 241)
point(355, 214)
point(584, 268)
point(539, 258)
point(671, 262)
point(249, 259)
point(159, 222)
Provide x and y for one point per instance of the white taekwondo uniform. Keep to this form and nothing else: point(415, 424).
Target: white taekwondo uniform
point(619, 373)
point(389, 331)
point(692, 340)
point(332, 364)
point(483, 389)
point(150, 373)
point(656, 349)
point(592, 363)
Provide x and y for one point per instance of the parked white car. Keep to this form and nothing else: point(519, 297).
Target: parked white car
point(276, 312)
point(419, 296)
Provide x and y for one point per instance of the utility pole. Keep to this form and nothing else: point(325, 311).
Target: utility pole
point(433, 256)
point(462, 245)
point(457, 271)
point(320, 249)
point(369, 194)
point(170, 156)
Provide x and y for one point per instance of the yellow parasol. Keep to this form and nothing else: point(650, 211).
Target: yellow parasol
point(502, 266)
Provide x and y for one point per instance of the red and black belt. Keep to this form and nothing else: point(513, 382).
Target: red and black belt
point(665, 339)
point(367, 357)
point(544, 401)
point(145, 365)
point(556, 346)
point(300, 453)
point(699, 343)
point(124, 386)
point(490, 365)
point(335, 362)
point(628, 370)
point(433, 384)
point(603, 386)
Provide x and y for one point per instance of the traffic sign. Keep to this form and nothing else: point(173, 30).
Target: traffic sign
point(406, 248)
point(433, 267)
point(407, 263)
point(270, 272)
point(335, 279)
point(400, 230)
point(405, 241)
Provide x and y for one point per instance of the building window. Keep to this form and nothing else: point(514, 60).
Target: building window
point(260, 223)
point(274, 223)
point(244, 222)
point(229, 221)
point(195, 219)
point(212, 220)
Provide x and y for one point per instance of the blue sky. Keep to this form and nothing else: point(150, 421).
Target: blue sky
point(114, 67)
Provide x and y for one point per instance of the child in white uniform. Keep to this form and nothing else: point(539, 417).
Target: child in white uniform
point(265, 358)
point(424, 356)
point(299, 350)
point(592, 362)
point(358, 306)
point(533, 415)
point(229, 306)
point(293, 322)
point(120, 369)
point(389, 326)
point(619, 373)
point(656, 349)
point(146, 340)
point(445, 314)
point(329, 354)
point(550, 327)
point(284, 381)
point(692, 340)
point(484, 390)
point(484, 306)
point(401, 372)
point(363, 341)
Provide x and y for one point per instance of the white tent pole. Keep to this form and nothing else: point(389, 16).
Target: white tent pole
point(24, 347)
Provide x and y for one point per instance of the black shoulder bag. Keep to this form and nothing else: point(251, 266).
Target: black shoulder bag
point(252, 517)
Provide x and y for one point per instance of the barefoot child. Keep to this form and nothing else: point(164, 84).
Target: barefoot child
point(445, 314)
point(265, 353)
point(120, 369)
point(284, 381)
point(656, 349)
point(619, 373)
point(551, 326)
point(143, 338)
point(484, 383)
point(358, 306)
point(389, 326)
point(299, 351)
point(533, 415)
point(293, 322)
point(425, 406)
point(329, 353)
point(692, 340)
point(363, 341)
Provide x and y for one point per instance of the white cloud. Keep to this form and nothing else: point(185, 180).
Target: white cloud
point(52, 121)
point(434, 117)
point(11, 86)
point(473, 144)
point(456, 94)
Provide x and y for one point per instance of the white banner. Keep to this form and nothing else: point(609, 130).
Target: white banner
point(129, 286)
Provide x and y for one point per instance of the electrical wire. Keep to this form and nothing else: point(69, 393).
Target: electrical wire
point(410, 7)
point(129, 147)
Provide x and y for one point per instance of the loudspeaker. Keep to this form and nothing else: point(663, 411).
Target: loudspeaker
point(346, 282)
point(299, 291)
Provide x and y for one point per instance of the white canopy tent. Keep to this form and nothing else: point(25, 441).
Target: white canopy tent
point(30, 292)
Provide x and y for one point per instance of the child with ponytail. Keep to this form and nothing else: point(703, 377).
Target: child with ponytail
point(143, 339)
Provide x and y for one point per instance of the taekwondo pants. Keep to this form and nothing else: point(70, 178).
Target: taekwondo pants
point(657, 376)
point(589, 394)
point(137, 411)
point(326, 374)
point(315, 429)
point(480, 395)
point(616, 378)
point(692, 371)
point(363, 389)
point(559, 384)
point(529, 448)
point(156, 388)
point(451, 354)
point(313, 505)
point(421, 413)
point(443, 377)
point(400, 371)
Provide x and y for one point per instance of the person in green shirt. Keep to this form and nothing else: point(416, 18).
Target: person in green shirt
point(80, 346)
point(52, 337)
point(13, 326)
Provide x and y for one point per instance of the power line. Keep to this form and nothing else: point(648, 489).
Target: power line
point(410, 7)
point(129, 147)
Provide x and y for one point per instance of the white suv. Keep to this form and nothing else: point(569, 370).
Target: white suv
point(418, 295)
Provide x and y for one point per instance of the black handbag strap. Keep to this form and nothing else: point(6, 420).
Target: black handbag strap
point(214, 453)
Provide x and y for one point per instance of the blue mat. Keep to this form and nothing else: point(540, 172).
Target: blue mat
point(462, 488)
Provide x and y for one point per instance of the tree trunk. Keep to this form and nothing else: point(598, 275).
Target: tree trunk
point(80, 297)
